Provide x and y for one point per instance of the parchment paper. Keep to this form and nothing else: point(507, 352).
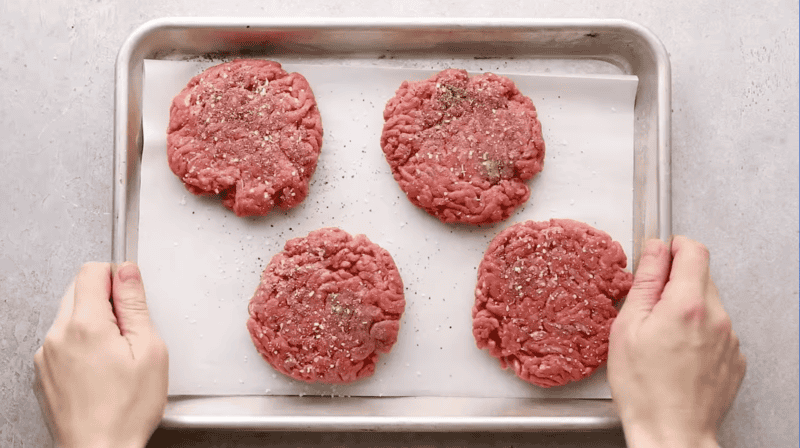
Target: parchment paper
point(201, 263)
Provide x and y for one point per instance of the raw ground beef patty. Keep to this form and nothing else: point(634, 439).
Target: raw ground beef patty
point(246, 130)
point(545, 299)
point(326, 306)
point(462, 148)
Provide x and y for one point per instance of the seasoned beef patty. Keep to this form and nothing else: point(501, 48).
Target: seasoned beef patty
point(248, 131)
point(545, 297)
point(462, 148)
point(327, 305)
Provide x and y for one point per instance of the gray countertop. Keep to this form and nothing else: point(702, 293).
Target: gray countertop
point(734, 164)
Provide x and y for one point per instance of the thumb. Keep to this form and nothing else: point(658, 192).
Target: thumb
point(649, 280)
point(130, 305)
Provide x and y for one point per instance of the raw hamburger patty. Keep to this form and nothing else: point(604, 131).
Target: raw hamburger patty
point(462, 148)
point(249, 131)
point(545, 299)
point(326, 306)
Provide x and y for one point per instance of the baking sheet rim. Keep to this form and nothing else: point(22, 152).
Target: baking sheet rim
point(131, 55)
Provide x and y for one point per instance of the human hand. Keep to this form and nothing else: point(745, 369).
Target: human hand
point(101, 373)
point(674, 362)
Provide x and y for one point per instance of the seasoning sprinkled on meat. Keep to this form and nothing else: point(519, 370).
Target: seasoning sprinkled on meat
point(327, 305)
point(545, 299)
point(462, 148)
point(248, 131)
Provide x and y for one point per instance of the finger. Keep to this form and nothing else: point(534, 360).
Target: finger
point(649, 281)
point(92, 294)
point(66, 308)
point(689, 261)
point(130, 303)
point(689, 275)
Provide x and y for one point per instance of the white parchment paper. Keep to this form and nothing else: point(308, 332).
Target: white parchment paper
point(201, 263)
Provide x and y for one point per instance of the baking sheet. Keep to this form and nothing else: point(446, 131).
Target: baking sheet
point(201, 263)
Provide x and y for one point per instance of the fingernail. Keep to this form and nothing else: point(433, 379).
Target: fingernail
point(129, 272)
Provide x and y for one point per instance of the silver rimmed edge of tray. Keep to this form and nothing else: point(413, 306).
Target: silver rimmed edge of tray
point(631, 48)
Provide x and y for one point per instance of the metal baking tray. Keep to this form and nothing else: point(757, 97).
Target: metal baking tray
point(540, 45)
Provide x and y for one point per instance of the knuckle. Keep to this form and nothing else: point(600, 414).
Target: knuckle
point(700, 255)
point(735, 341)
point(52, 345)
point(80, 330)
point(724, 324)
point(615, 340)
point(653, 246)
point(645, 283)
point(618, 329)
point(702, 250)
point(92, 268)
point(696, 248)
point(680, 240)
point(713, 291)
point(742, 361)
point(88, 267)
point(630, 340)
point(52, 341)
point(38, 358)
point(615, 326)
point(132, 298)
point(693, 310)
point(157, 351)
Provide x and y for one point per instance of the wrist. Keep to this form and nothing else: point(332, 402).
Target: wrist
point(638, 437)
point(101, 443)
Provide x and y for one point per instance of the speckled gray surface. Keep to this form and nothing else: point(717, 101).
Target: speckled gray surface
point(735, 182)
